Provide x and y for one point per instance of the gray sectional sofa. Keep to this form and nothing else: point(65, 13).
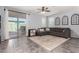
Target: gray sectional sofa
point(60, 32)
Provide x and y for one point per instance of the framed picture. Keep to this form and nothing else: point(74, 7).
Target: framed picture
point(65, 20)
point(57, 21)
point(75, 19)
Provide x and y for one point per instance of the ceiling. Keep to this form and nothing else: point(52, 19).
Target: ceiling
point(33, 9)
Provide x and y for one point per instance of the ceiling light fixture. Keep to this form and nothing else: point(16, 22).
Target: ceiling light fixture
point(43, 10)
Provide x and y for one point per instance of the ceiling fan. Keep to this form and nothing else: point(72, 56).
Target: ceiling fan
point(44, 9)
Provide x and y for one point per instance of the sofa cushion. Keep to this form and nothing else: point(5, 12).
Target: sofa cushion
point(47, 29)
point(41, 30)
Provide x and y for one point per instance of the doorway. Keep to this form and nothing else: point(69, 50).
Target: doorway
point(17, 27)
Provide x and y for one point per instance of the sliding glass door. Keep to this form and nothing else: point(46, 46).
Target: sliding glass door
point(21, 27)
point(17, 26)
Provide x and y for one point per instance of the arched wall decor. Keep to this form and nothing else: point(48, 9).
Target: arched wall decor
point(57, 21)
point(65, 20)
point(75, 19)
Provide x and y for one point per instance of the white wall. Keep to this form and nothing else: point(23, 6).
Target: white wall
point(2, 17)
point(51, 22)
point(4, 27)
point(74, 28)
point(44, 21)
point(37, 21)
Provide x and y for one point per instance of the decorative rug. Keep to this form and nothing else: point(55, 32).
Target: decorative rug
point(48, 42)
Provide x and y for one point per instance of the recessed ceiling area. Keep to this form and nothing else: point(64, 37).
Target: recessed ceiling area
point(34, 9)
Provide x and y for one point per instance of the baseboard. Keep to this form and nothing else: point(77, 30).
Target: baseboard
point(74, 38)
point(7, 39)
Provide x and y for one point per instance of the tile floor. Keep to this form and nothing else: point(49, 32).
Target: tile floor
point(24, 45)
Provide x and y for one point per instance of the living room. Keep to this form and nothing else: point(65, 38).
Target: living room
point(45, 29)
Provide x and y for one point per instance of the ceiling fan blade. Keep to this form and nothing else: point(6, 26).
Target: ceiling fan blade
point(43, 8)
point(46, 7)
point(47, 10)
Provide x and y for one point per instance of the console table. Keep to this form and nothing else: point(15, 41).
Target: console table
point(31, 31)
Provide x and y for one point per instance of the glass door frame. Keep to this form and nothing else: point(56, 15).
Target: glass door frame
point(18, 25)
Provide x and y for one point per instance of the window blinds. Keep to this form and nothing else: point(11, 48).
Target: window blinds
point(17, 14)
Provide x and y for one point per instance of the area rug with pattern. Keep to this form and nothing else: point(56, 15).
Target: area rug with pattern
point(48, 42)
